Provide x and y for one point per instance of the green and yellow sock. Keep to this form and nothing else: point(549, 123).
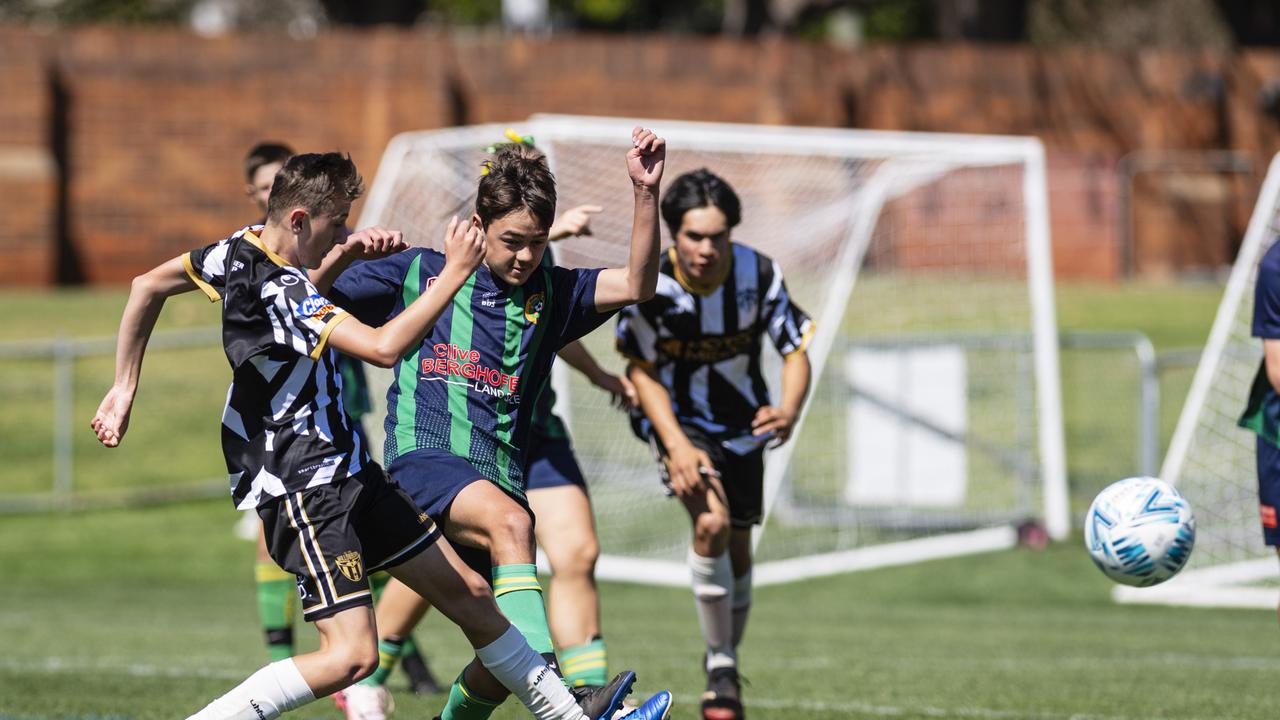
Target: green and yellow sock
point(519, 597)
point(464, 704)
point(585, 664)
point(277, 598)
point(389, 652)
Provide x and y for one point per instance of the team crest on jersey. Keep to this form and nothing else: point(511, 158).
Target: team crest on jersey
point(533, 308)
point(349, 564)
point(314, 306)
point(747, 298)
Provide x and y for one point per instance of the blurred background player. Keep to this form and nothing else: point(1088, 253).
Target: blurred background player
point(557, 493)
point(706, 408)
point(276, 590)
point(1262, 414)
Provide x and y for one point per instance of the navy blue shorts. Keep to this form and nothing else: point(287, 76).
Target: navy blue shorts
point(433, 478)
point(1269, 490)
point(552, 464)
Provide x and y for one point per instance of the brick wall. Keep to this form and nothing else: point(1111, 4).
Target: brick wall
point(155, 123)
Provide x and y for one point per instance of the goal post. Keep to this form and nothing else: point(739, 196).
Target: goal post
point(1210, 459)
point(934, 426)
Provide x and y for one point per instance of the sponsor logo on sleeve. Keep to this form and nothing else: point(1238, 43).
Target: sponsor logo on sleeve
point(314, 307)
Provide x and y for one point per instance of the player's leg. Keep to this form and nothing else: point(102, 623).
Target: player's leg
point(1268, 460)
point(740, 561)
point(485, 517)
point(711, 571)
point(346, 654)
point(277, 596)
point(567, 534)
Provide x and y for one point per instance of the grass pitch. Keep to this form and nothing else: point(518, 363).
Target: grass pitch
point(149, 614)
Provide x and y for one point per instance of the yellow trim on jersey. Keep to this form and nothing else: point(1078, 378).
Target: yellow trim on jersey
point(324, 334)
point(804, 340)
point(199, 281)
point(256, 241)
point(692, 286)
point(269, 571)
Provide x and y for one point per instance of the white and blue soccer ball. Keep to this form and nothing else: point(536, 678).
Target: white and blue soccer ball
point(1140, 531)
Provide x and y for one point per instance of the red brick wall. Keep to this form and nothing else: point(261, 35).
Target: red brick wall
point(157, 121)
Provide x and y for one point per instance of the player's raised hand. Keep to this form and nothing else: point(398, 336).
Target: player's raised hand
point(463, 246)
point(112, 418)
point(374, 242)
point(646, 158)
point(574, 222)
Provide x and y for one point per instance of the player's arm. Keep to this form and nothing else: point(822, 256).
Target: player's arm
point(685, 463)
point(371, 243)
point(573, 222)
point(780, 420)
point(384, 346)
point(147, 295)
point(580, 359)
point(1271, 356)
point(616, 287)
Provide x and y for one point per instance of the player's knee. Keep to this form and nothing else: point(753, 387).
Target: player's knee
point(514, 528)
point(580, 557)
point(712, 528)
point(356, 663)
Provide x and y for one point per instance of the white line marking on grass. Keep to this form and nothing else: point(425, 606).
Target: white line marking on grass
point(843, 709)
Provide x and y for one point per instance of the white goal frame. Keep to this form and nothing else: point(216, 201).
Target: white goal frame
point(918, 150)
point(1222, 585)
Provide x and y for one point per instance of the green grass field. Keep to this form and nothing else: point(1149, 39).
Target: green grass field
point(149, 613)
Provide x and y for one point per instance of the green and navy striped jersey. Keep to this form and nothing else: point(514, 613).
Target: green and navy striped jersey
point(471, 386)
point(546, 424)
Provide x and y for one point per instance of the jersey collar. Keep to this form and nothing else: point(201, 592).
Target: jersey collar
point(255, 241)
point(693, 286)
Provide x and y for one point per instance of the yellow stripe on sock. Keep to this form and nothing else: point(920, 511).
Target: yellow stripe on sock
point(515, 579)
point(503, 591)
point(574, 665)
point(267, 572)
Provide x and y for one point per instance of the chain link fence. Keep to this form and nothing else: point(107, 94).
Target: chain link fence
point(1120, 399)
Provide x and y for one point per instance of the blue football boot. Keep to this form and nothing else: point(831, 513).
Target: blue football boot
point(657, 707)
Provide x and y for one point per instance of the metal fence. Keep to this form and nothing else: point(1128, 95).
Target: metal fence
point(1120, 397)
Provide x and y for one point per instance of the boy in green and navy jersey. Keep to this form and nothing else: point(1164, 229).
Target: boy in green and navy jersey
point(459, 413)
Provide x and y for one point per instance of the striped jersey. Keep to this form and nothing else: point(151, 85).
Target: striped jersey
point(546, 424)
point(284, 428)
point(470, 388)
point(705, 347)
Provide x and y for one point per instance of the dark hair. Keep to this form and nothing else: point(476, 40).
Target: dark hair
point(696, 189)
point(316, 182)
point(517, 177)
point(265, 153)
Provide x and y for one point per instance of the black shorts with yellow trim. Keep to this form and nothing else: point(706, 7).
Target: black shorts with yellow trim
point(741, 475)
point(333, 536)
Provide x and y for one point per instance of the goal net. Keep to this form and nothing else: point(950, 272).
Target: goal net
point(934, 425)
point(1211, 460)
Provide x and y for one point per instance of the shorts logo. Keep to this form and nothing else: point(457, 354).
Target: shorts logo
point(533, 308)
point(1268, 516)
point(349, 564)
point(315, 306)
point(422, 518)
point(302, 587)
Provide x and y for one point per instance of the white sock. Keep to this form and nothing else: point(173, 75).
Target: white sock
point(741, 606)
point(275, 689)
point(712, 580)
point(526, 674)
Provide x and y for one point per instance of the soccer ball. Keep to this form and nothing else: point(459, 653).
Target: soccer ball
point(1140, 531)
